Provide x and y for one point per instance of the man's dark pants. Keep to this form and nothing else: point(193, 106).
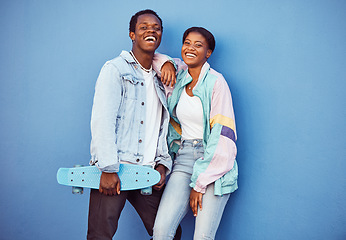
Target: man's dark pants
point(104, 212)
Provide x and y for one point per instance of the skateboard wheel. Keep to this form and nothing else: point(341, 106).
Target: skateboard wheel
point(77, 190)
point(147, 191)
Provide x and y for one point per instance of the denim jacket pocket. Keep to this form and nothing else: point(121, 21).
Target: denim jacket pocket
point(131, 86)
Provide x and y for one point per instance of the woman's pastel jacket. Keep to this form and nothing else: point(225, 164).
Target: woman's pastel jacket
point(219, 138)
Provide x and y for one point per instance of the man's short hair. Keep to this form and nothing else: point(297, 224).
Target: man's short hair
point(134, 19)
point(205, 33)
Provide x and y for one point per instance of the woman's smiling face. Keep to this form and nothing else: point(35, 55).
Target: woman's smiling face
point(195, 50)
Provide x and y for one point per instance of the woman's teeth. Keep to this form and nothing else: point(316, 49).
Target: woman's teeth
point(190, 55)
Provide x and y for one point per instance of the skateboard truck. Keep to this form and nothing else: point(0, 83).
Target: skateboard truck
point(147, 190)
point(77, 190)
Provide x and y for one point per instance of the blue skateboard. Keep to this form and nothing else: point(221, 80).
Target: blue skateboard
point(131, 177)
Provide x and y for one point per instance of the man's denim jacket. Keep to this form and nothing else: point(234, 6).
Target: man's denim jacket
point(118, 116)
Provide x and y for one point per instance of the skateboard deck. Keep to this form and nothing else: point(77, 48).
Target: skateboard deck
point(131, 177)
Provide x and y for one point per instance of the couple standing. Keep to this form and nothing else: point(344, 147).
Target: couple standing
point(134, 119)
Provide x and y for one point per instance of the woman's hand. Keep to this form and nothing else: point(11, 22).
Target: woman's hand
point(195, 201)
point(109, 184)
point(168, 74)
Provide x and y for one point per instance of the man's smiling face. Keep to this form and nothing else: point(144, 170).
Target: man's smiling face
point(148, 32)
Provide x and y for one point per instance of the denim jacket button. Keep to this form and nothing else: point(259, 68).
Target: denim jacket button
point(142, 84)
point(140, 140)
point(137, 160)
point(142, 103)
point(142, 122)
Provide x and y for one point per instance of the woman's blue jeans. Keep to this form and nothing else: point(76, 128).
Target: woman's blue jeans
point(175, 201)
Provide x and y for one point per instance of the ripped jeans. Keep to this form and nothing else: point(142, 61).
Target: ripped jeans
point(175, 201)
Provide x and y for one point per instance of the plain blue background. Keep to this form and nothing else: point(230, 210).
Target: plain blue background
point(285, 62)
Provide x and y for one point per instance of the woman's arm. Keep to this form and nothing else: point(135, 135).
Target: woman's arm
point(221, 150)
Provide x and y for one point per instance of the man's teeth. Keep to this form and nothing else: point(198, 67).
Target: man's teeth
point(150, 38)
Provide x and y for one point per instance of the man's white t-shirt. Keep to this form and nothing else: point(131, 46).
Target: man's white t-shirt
point(153, 119)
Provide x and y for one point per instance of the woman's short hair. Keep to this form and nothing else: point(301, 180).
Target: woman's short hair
point(205, 33)
point(134, 19)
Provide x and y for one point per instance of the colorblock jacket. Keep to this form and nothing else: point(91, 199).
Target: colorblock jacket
point(219, 138)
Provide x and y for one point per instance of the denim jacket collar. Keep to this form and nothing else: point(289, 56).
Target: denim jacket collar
point(129, 59)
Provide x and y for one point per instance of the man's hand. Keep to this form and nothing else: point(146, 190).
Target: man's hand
point(195, 201)
point(162, 170)
point(168, 74)
point(109, 184)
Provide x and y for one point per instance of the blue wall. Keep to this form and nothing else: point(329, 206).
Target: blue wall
point(285, 62)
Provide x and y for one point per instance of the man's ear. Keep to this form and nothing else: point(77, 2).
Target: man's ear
point(209, 52)
point(132, 36)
